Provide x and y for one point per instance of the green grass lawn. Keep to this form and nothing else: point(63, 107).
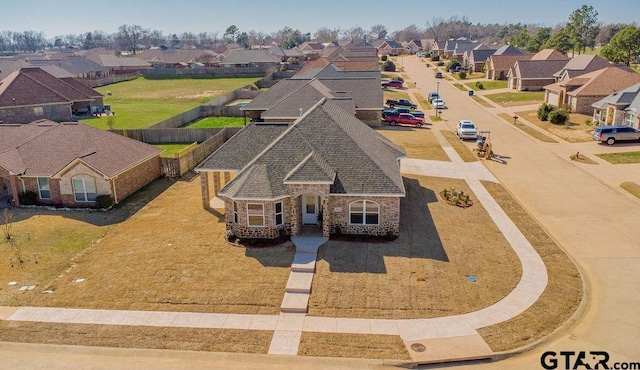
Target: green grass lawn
point(459, 87)
point(488, 85)
point(621, 158)
point(509, 99)
point(171, 149)
point(218, 122)
point(395, 95)
point(141, 102)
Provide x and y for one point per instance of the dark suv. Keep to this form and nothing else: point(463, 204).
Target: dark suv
point(611, 134)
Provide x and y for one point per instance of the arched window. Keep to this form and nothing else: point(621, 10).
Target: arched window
point(364, 212)
point(84, 189)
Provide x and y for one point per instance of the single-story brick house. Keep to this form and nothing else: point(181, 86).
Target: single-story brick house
point(31, 93)
point(325, 163)
point(579, 93)
point(69, 164)
point(619, 108)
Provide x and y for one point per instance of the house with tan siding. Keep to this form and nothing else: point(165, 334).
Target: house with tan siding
point(327, 170)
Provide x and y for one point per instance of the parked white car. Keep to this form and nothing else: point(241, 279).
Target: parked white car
point(438, 104)
point(466, 130)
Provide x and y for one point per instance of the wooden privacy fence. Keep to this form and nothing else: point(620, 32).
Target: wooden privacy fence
point(179, 165)
point(169, 135)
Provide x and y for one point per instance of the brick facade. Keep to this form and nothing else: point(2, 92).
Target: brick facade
point(24, 114)
point(137, 177)
point(62, 192)
point(388, 219)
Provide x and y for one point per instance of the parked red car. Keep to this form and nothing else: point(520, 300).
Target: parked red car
point(405, 119)
point(396, 84)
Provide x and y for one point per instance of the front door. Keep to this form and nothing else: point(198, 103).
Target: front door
point(310, 209)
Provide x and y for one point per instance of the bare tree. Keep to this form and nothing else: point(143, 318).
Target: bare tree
point(378, 32)
point(325, 34)
point(355, 33)
point(129, 37)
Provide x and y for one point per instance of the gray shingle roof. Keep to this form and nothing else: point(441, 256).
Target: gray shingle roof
point(324, 141)
point(250, 56)
point(532, 69)
point(242, 147)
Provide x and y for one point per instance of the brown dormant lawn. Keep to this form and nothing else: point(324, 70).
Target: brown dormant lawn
point(424, 273)
point(417, 142)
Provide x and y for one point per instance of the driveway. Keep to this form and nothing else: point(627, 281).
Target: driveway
point(583, 207)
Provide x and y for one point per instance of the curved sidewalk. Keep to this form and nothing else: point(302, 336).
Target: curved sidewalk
point(442, 333)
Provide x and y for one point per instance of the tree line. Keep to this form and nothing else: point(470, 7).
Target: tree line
point(620, 42)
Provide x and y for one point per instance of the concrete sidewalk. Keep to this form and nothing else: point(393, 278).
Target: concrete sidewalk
point(592, 219)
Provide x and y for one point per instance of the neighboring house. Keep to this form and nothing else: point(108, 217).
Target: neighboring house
point(31, 94)
point(498, 66)
point(353, 53)
point(286, 55)
point(117, 64)
point(325, 166)
point(413, 46)
point(477, 57)
point(388, 47)
point(78, 65)
point(179, 58)
point(69, 164)
point(458, 46)
point(290, 98)
point(619, 108)
point(581, 92)
point(437, 47)
point(532, 75)
point(581, 64)
point(309, 48)
point(9, 66)
point(260, 58)
point(427, 44)
point(462, 48)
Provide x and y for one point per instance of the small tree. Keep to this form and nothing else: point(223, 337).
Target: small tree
point(452, 64)
point(462, 75)
point(543, 111)
point(384, 58)
point(388, 66)
point(558, 116)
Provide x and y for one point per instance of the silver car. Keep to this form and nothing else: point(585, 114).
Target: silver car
point(466, 130)
point(612, 134)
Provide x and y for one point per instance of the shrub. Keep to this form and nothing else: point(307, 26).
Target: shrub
point(28, 198)
point(588, 122)
point(399, 78)
point(452, 64)
point(440, 64)
point(104, 201)
point(462, 75)
point(388, 66)
point(384, 58)
point(231, 237)
point(558, 116)
point(479, 85)
point(543, 111)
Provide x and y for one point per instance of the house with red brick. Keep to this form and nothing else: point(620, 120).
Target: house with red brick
point(538, 71)
point(31, 94)
point(326, 169)
point(69, 164)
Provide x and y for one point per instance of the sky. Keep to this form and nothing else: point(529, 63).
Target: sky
point(62, 17)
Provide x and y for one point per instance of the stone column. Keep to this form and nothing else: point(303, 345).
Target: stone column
point(204, 186)
point(326, 220)
point(295, 217)
point(216, 183)
point(14, 191)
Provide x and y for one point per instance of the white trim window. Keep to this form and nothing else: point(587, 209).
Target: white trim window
point(630, 119)
point(235, 213)
point(84, 189)
point(364, 212)
point(43, 188)
point(278, 213)
point(38, 111)
point(255, 214)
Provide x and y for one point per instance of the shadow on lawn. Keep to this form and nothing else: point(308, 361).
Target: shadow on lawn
point(118, 213)
point(418, 238)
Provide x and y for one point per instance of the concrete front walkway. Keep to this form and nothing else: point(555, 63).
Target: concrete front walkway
point(440, 335)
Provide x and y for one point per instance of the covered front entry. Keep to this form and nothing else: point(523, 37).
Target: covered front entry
point(310, 209)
